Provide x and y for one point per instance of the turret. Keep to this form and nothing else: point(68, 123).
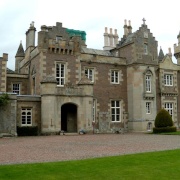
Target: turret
point(19, 56)
point(161, 54)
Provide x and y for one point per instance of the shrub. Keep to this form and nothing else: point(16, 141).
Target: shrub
point(27, 131)
point(4, 99)
point(163, 119)
point(164, 129)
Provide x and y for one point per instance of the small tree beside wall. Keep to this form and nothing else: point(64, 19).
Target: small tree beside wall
point(163, 122)
point(4, 99)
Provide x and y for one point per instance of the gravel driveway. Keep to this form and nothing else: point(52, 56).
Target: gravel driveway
point(62, 148)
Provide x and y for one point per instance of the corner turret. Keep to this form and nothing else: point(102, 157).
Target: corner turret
point(19, 56)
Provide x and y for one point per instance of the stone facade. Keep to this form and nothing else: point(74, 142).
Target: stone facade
point(61, 85)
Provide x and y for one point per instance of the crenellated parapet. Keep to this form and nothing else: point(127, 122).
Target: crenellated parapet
point(58, 39)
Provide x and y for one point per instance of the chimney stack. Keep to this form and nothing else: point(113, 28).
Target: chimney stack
point(30, 36)
point(125, 28)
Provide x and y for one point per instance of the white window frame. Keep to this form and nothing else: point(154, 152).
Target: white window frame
point(115, 76)
point(168, 106)
point(16, 87)
point(116, 111)
point(148, 83)
point(168, 80)
point(148, 107)
point(89, 73)
point(26, 116)
point(60, 74)
point(94, 110)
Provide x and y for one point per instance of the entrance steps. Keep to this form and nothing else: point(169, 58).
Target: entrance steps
point(71, 134)
point(6, 135)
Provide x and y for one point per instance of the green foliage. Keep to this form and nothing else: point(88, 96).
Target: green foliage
point(164, 129)
point(154, 165)
point(4, 99)
point(163, 119)
point(27, 131)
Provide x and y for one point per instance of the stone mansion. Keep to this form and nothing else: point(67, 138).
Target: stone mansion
point(60, 84)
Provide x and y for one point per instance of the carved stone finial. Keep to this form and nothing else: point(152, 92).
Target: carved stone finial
point(144, 20)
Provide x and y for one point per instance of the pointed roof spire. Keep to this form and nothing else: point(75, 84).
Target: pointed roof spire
point(161, 54)
point(20, 51)
point(178, 35)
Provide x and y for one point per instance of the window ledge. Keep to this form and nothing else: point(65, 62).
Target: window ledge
point(149, 96)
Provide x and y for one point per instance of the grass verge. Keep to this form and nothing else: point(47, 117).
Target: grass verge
point(156, 165)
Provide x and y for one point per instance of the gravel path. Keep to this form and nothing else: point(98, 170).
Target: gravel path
point(62, 148)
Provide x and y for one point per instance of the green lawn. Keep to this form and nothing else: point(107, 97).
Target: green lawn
point(172, 133)
point(156, 166)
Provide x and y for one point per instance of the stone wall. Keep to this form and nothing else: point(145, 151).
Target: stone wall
point(8, 116)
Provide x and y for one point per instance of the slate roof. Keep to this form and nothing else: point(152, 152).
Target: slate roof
point(84, 80)
point(161, 55)
point(9, 71)
point(127, 40)
point(20, 51)
point(95, 51)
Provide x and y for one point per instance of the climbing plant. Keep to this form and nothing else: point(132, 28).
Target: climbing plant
point(4, 99)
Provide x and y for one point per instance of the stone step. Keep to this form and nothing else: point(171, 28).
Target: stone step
point(6, 135)
point(70, 134)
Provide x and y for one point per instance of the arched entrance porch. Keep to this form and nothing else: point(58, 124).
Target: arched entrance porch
point(69, 117)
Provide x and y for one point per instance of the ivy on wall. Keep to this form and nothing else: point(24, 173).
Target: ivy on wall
point(4, 99)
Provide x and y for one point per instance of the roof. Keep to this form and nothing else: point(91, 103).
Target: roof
point(20, 51)
point(161, 55)
point(85, 81)
point(9, 71)
point(128, 39)
point(96, 51)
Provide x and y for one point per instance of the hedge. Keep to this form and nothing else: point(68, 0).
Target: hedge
point(164, 129)
point(27, 131)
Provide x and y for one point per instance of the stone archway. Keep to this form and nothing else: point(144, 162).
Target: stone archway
point(69, 117)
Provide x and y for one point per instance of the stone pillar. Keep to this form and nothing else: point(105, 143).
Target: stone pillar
point(3, 72)
point(48, 105)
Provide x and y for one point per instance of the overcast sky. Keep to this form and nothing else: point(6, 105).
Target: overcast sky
point(162, 18)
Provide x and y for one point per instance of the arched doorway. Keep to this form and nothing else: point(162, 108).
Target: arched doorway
point(149, 126)
point(69, 117)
